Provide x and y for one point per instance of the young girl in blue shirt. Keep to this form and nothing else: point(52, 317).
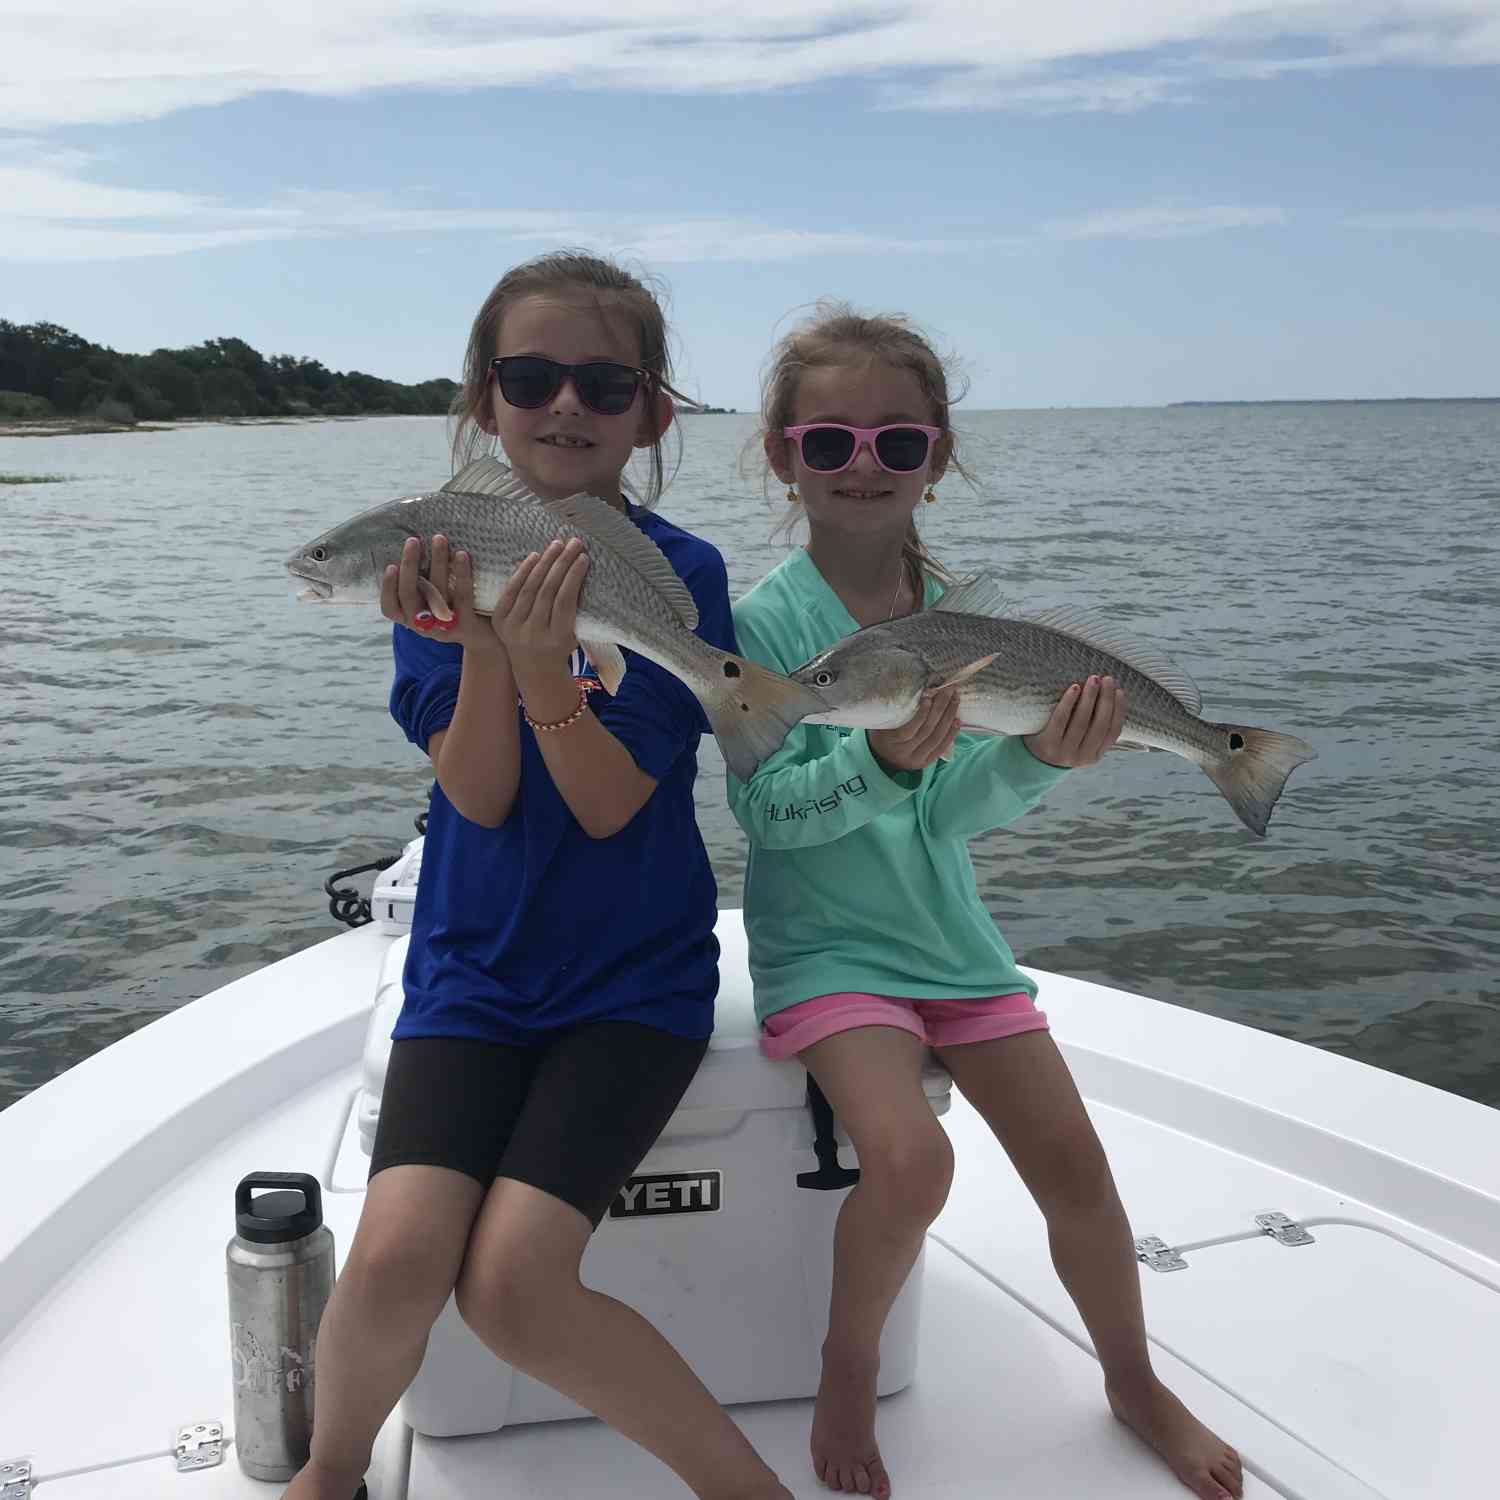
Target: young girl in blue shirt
point(868, 940)
point(562, 966)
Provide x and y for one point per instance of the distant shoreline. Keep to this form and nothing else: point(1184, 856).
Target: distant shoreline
point(83, 426)
point(1347, 401)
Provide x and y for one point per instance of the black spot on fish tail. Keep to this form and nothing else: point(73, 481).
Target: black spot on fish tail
point(1253, 780)
point(752, 711)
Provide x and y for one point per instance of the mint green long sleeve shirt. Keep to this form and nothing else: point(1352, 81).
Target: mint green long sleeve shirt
point(858, 878)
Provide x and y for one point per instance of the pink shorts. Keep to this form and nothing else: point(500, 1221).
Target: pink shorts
point(939, 1023)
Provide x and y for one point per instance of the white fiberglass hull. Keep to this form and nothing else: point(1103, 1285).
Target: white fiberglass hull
point(1360, 1365)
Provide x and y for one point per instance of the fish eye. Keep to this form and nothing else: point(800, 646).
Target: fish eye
point(825, 678)
point(319, 554)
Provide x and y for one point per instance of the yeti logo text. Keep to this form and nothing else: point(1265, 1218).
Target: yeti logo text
point(669, 1193)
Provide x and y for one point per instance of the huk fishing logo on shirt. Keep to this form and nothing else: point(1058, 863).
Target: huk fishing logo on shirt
point(854, 787)
point(660, 1193)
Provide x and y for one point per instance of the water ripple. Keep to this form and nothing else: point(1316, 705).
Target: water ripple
point(187, 759)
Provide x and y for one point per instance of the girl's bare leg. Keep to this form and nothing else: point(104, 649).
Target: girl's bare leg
point(872, 1078)
point(519, 1290)
point(401, 1266)
point(1023, 1088)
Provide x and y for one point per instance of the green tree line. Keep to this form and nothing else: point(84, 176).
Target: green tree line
point(47, 371)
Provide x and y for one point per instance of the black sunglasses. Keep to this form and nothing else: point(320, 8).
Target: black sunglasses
point(531, 380)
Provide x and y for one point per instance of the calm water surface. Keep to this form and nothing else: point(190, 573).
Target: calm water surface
point(188, 752)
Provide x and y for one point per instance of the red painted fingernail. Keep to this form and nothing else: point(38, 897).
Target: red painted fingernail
point(451, 623)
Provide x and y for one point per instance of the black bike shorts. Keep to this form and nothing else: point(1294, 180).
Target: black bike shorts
point(572, 1116)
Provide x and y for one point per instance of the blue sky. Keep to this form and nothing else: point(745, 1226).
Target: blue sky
point(1089, 204)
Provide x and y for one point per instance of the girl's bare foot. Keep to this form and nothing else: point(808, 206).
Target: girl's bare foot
point(844, 1453)
point(1206, 1464)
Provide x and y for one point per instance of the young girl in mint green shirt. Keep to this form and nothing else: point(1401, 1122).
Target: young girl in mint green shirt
point(868, 941)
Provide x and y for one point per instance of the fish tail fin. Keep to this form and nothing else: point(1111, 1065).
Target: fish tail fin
point(1254, 770)
point(751, 710)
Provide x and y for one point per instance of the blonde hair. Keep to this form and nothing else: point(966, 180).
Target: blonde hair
point(838, 335)
point(610, 285)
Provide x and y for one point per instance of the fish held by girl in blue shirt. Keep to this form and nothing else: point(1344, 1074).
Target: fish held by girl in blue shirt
point(562, 965)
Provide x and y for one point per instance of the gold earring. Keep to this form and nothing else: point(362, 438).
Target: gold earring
point(931, 495)
point(792, 497)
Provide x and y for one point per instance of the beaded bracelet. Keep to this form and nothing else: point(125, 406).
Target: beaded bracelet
point(583, 702)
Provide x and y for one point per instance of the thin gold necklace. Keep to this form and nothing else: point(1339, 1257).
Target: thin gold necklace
point(890, 614)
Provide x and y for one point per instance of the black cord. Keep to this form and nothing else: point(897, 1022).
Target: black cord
point(345, 902)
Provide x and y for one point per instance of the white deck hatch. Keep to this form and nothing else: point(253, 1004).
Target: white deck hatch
point(1360, 1342)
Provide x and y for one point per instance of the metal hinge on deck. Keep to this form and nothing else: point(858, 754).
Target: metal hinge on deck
point(1155, 1252)
point(1282, 1229)
point(199, 1445)
point(15, 1479)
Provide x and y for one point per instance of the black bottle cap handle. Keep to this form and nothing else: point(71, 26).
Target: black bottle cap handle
point(291, 1208)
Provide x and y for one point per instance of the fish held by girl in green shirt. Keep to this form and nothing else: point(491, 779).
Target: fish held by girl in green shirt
point(868, 941)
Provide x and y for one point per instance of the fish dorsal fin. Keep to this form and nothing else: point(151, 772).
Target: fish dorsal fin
point(595, 517)
point(979, 595)
point(1101, 632)
point(982, 595)
point(488, 476)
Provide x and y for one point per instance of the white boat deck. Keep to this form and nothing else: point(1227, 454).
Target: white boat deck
point(1359, 1366)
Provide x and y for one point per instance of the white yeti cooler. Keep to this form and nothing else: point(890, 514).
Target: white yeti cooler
point(713, 1239)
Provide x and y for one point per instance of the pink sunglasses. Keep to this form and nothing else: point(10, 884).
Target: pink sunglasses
point(830, 447)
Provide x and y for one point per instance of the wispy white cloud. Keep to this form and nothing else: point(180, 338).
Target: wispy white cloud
point(54, 212)
point(1164, 221)
point(50, 209)
point(41, 192)
point(96, 61)
point(54, 242)
point(1028, 93)
point(1480, 220)
point(734, 239)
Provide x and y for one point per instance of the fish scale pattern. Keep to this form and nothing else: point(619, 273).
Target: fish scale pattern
point(616, 603)
point(1033, 666)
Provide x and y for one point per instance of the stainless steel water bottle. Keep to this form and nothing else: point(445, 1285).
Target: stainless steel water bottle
point(280, 1265)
